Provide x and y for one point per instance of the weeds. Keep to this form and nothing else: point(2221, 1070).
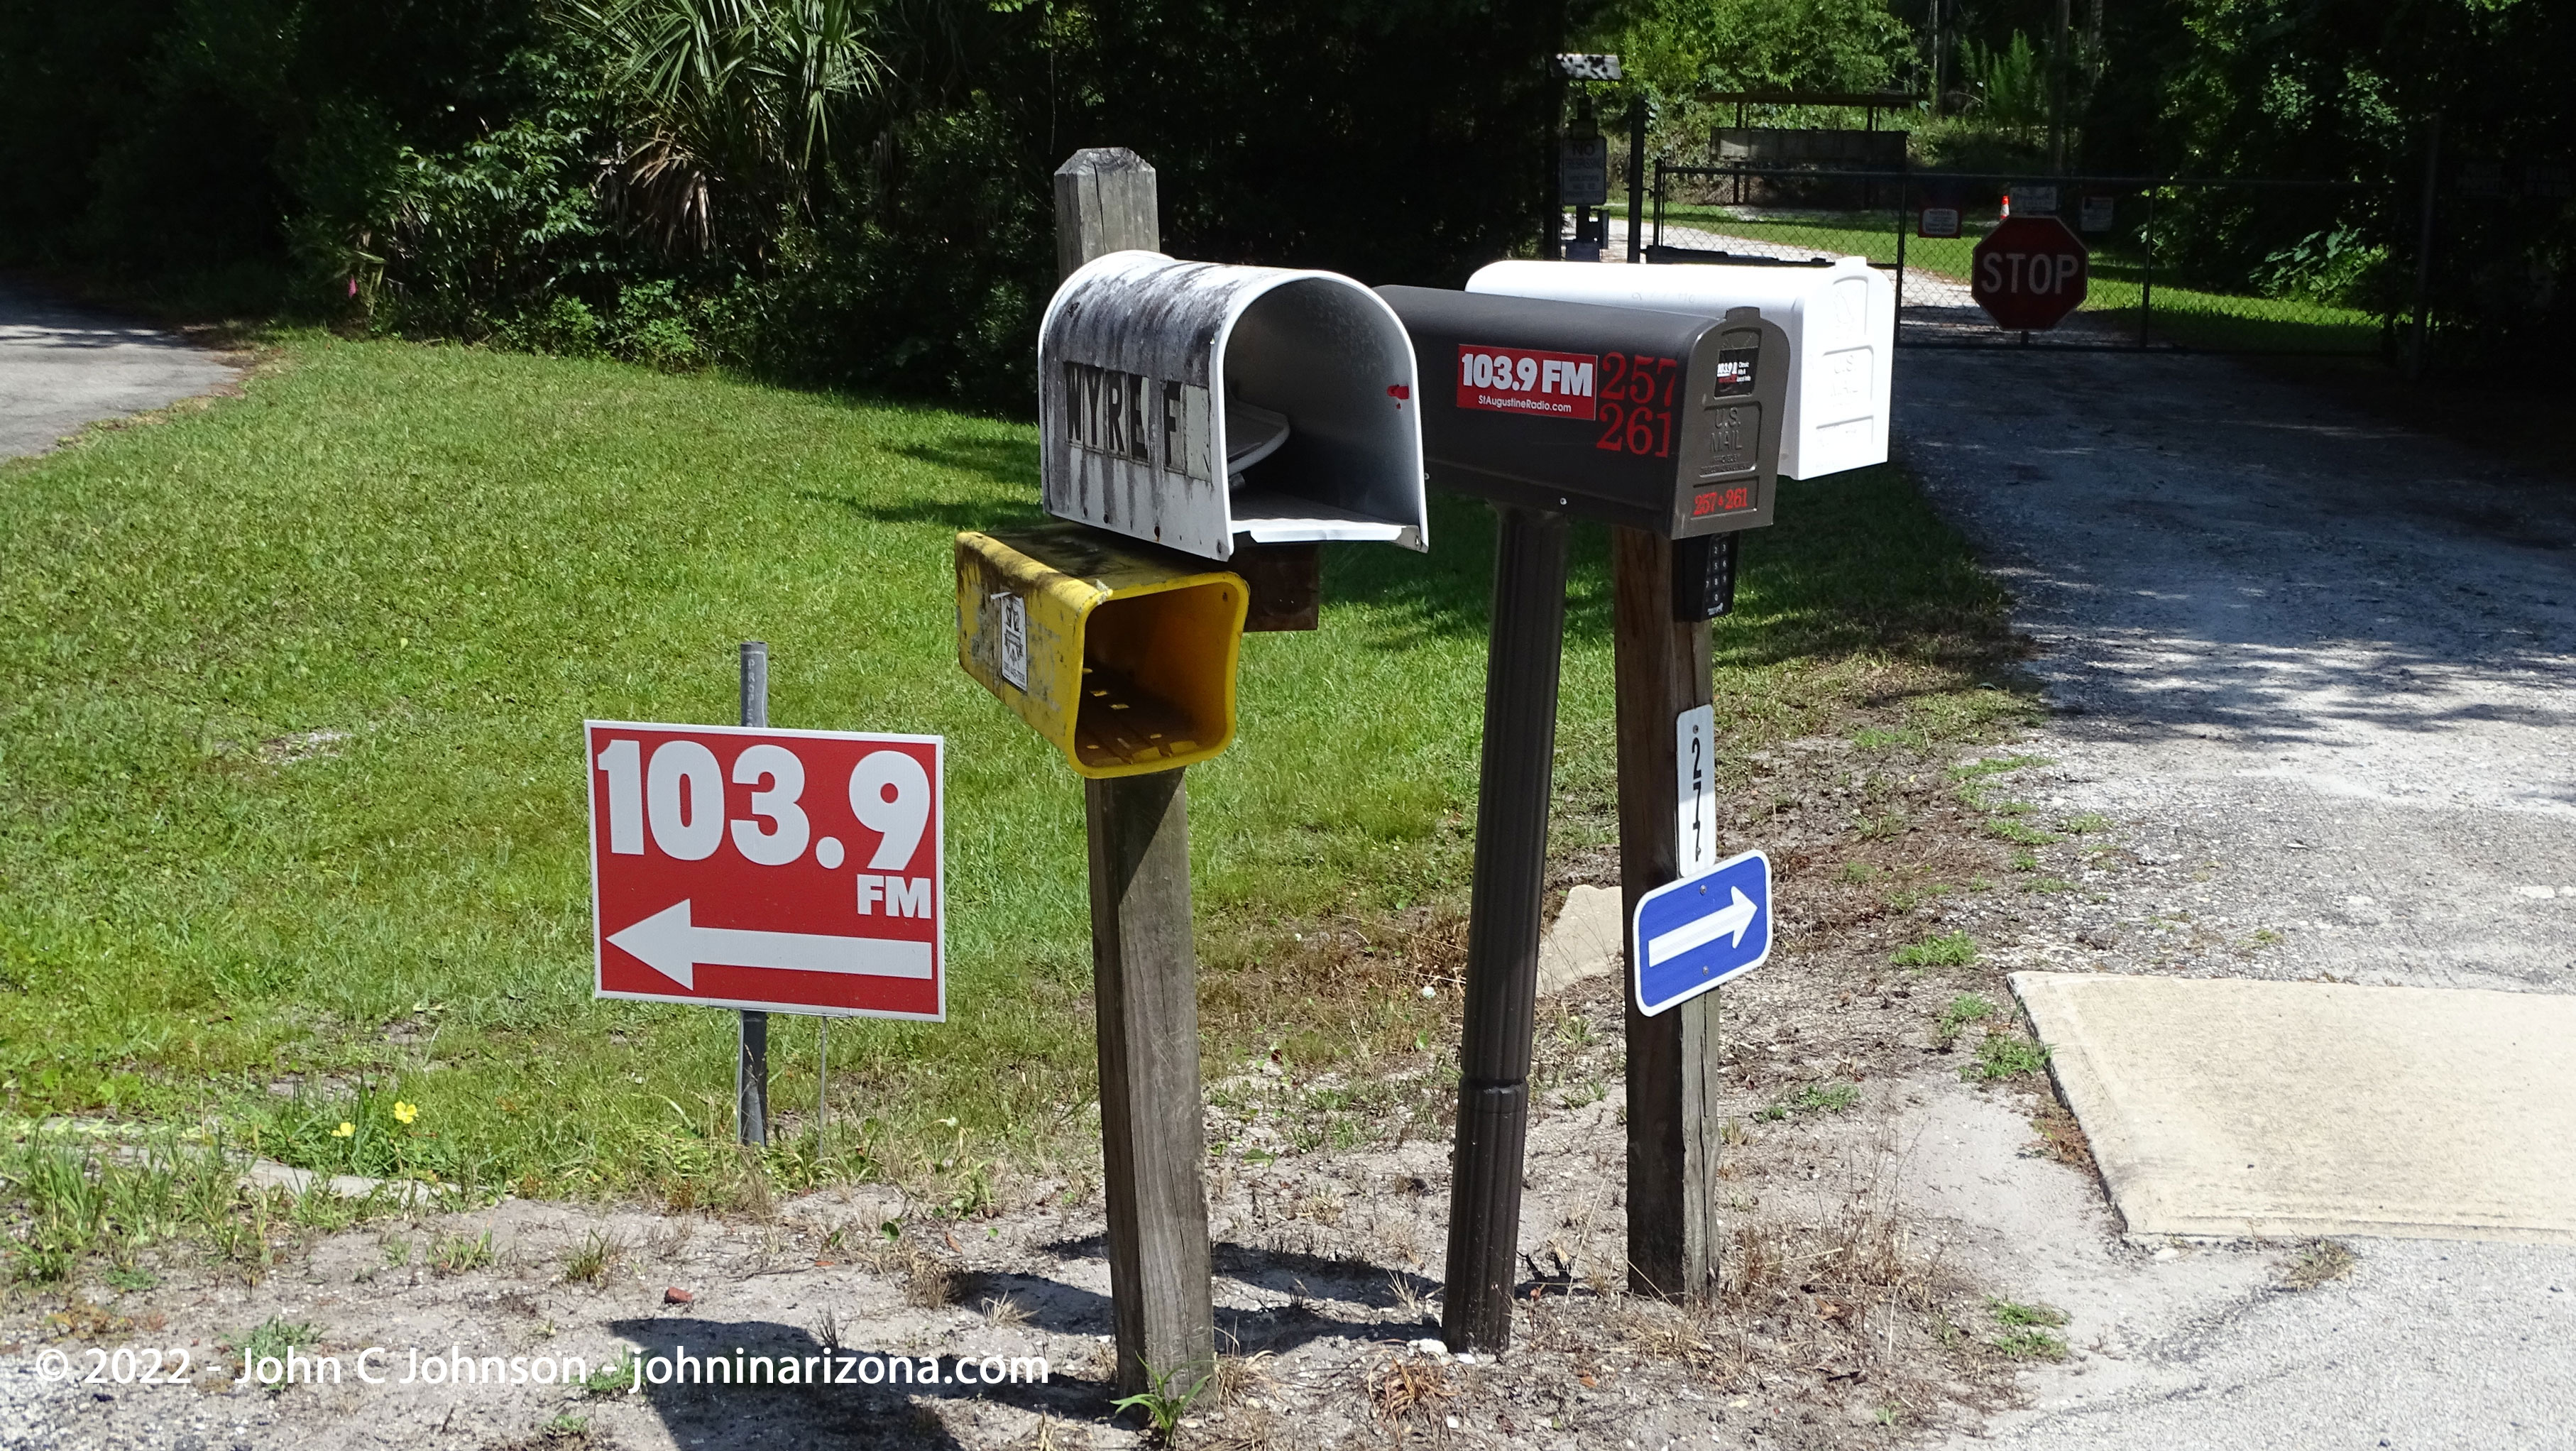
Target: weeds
point(2011, 1313)
point(1974, 771)
point(1948, 949)
point(1963, 1010)
point(2061, 1137)
point(75, 1200)
point(590, 1263)
point(2317, 1261)
point(2025, 1330)
point(1162, 1406)
point(612, 1378)
point(1814, 1098)
point(2005, 1056)
point(458, 1255)
point(272, 1339)
point(1411, 1302)
point(1402, 1389)
point(2029, 1345)
point(2004, 828)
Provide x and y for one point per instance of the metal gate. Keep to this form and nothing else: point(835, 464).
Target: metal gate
point(2221, 264)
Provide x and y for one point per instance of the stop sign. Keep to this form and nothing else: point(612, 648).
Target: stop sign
point(2029, 273)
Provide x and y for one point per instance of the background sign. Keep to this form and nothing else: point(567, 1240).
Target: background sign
point(1583, 171)
point(2029, 273)
point(792, 871)
point(2031, 201)
point(1691, 935)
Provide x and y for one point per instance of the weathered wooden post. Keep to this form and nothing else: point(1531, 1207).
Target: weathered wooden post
point(1144, 971)
point(1662, 671)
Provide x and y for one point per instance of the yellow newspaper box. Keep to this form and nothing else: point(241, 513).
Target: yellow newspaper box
point(1120, 653)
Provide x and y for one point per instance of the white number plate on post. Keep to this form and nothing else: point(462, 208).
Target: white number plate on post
point(1695, 783)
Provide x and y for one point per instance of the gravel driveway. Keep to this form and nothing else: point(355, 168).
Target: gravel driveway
point(2314, 667)
point(61, 368)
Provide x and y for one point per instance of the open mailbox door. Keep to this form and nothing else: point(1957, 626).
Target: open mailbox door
point(1200, 406)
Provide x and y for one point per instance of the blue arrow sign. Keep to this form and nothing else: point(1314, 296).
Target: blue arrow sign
point(1693, 934)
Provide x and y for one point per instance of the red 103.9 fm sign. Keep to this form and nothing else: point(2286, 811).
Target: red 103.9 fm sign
point(788, 871)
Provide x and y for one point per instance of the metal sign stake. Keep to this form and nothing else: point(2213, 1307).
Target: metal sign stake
point(751, 1066)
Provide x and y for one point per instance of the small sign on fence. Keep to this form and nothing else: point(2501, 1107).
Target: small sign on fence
point(1938, 222)
point(2098, 210)
point(1583, 171)
point(2031, 201)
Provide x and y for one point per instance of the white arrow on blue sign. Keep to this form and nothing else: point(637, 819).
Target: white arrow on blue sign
point(1689, 936)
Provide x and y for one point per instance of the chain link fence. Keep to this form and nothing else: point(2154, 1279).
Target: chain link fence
point(2213, 264)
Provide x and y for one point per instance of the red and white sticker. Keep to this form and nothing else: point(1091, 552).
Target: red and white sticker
point(1518, 380)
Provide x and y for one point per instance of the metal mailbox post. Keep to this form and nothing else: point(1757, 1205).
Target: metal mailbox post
point(1666, 425)
point(1203, 430)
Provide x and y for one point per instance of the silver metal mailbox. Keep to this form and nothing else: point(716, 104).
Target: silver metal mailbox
point(1203, 406)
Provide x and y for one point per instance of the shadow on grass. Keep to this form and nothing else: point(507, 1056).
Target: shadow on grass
point(923, 509)
point(1857, 563)
point(1009, 462)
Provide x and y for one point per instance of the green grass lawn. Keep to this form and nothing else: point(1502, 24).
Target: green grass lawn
point(290, 746)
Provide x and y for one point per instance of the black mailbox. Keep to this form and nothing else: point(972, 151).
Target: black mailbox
point(1663, 421)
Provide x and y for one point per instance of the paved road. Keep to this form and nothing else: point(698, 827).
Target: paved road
point(2317, 670)
point(61, 368)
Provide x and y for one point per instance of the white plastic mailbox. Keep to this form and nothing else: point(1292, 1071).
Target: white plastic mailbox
point(1840, 318)
point(1199, 405)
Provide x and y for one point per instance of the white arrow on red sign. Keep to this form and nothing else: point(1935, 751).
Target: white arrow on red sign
point(672, 945)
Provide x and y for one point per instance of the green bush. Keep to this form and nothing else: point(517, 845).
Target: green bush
point(811, 190)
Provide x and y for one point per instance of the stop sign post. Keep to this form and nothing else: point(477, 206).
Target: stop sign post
point(2029, 273)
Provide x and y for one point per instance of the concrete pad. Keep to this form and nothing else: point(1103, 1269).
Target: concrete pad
point(1588, 938)
point(270, 1174)
point(2227, 1107)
